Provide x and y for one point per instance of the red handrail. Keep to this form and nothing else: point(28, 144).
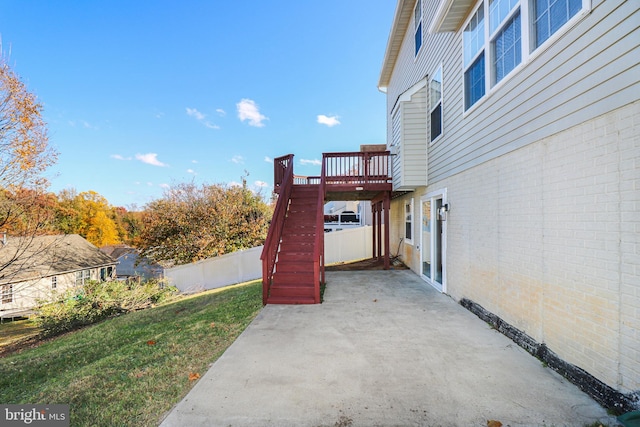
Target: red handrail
point(283, 182)
point(318, 257)
point(280, 166)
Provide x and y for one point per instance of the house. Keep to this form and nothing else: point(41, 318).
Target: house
point(33, 268)
point(131, 265)
point(514, 133)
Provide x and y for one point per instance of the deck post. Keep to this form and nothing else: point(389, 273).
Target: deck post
point(379, 234)
point(374, 215)
point(387, 208)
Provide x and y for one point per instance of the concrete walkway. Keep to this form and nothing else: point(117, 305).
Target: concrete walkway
point(384, 349)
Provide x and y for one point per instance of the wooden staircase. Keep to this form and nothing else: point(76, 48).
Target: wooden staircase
point(294, 277)
point(293, 254)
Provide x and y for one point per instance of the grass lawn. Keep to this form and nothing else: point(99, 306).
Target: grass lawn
point(131, 370)
point(12, 332)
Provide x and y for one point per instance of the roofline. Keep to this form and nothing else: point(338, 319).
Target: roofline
point(401, 21)
point(59, 273)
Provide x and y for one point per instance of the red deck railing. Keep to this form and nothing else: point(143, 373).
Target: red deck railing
point(359, 167)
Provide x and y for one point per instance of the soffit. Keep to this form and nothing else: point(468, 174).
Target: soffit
point(401, 20)
point(450, 15)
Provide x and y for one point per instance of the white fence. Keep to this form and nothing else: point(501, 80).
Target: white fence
point(339, 246)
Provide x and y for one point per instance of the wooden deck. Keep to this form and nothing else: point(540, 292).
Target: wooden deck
point(293, 254)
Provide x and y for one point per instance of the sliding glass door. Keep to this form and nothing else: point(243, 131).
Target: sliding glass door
point(433, 239)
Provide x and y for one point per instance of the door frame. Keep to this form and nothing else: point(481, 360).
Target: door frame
point(432, 197)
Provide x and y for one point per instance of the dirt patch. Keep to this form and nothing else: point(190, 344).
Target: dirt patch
point(367, 264)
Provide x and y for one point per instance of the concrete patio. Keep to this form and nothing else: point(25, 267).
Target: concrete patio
point(384, 349)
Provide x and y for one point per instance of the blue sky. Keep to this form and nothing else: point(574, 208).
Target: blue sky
point(141, 95)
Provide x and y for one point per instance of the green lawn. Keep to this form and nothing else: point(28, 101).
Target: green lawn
point(131, 370)
point(12, 332)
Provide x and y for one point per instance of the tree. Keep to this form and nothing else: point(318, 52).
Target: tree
point(24, 143)
point(24, 155)
point(90, 215)
point(191, 223)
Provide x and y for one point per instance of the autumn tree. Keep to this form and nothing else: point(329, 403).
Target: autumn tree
point(24, 156)
point(88, 214)
point(193, 222)
point(129, 222)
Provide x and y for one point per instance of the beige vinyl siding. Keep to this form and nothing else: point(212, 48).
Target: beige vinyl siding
point(417, 68)
point(409, 163)
point(591, 69)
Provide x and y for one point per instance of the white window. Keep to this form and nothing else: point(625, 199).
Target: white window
point(435, 103)
point(506, 35)
point(494, 47)
point(82, 277)
point(417, 26)
point(550, 15)
point(6, 294)
point(408, 221)
point(474, 70)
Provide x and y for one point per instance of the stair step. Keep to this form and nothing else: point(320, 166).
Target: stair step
point(296, 279)
point(290, 266)
point(276, 291)
point(291, 300)
point(295, 256)
point(291, 248)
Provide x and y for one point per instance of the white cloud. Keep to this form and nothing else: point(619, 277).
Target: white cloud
point(235, 184)
point(201, 117)
point(268, 159)
point(238, 160)
point(150, 159)
point(248, 110)
point(165, 186)
point(195, 113)
point(328, 120)
point(119, 157)
point(260, 184)
point(221, 112)
point(191, 171)
point(314, 162)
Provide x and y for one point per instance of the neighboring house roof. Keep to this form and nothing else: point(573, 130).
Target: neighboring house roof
point(26, 258)
point(116, 251)
point(130, 263)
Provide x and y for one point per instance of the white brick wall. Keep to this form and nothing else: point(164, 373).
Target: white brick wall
point(548, 238)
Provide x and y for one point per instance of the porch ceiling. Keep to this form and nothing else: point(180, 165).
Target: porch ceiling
point(342, 192)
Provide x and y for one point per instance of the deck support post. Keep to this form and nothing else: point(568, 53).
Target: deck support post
point(387, 208)
point(381, 206)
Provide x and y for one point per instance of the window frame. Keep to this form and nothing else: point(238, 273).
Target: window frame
point(469, 62)
point(417, 28)
point(6, 293)
point(82, 276)
point(440, 103)
point(408, 221)
point(528, 48)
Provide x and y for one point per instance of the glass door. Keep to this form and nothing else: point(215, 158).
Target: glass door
point(433, 239)
point(425, 244)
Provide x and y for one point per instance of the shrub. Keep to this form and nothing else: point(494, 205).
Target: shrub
point(96, 301)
